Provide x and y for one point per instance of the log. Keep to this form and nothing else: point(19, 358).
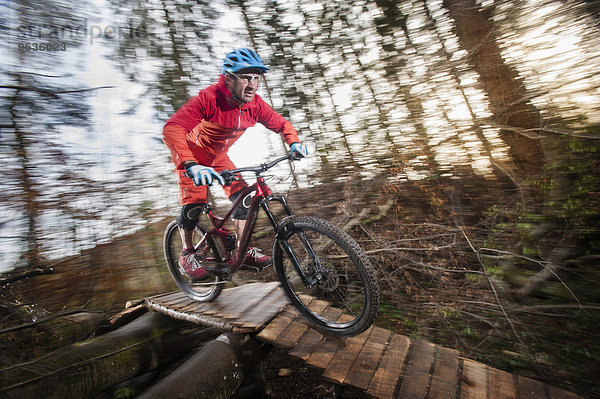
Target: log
point(215, 371)
point(122, 318)
point(553, 267)
point(86, 368)
point(30, 340)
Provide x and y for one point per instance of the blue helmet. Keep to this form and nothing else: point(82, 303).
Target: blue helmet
point(243, 58)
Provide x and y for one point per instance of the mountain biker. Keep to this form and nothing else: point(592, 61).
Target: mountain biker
point(199, 135)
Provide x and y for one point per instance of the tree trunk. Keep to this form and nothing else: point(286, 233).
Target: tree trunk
point(215, 371)
point(506, 93)
point(31, 340)
point(89, 367)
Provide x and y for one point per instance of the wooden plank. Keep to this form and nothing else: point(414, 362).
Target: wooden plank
point(556, 393)
point(227, 300)
point(366, 363)
point(182, 305)
point(255, 300)
point(262, 314)
point(166, 296)
point(342, 361)
point(324, 351)
point(530, 389)
point(306, 343)
point(233, 298)
point(444, 381)
point(295, 331)
point(416, 373)
point(502, 384)
point(383, 383)
point(174, 300)
point(207, 306)
point(291, 335)
point(272, 331)
point(194, 307)
point(311, 338)
point(474, 380)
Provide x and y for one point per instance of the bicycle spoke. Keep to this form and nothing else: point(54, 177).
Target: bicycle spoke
point(200, 290)
point(323, 262)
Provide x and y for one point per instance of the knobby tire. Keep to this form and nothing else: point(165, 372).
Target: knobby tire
point(203, 291)
point(344, 300)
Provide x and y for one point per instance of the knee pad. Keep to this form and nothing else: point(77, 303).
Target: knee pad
point(188, 218)
point(241, 212)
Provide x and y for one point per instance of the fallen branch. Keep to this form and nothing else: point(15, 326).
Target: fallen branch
point(409, 249)
point(514, 330)
point(11, 278)
point(50, 92)
point(550, 268)
point(44, 320)
point(532, 308)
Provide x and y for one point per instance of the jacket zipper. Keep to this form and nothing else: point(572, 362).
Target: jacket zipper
point(239, 125)
point(240, 119)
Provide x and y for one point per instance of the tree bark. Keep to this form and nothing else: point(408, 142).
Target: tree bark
point(507, 95)
point(27, 341)
point(215, 371)
point(89, 367)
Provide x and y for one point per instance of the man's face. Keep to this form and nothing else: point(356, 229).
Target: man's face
point(243, 84)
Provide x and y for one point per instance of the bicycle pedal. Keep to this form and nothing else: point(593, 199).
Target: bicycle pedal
point(254, 268)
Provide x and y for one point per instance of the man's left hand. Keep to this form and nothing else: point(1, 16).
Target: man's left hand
point(299, 150)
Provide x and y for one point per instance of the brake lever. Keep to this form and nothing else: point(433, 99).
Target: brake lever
point(295, 156)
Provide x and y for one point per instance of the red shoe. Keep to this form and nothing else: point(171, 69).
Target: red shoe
point(257, 259)
point(191, 266)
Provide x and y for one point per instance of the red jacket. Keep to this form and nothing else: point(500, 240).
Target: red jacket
point(213, 123)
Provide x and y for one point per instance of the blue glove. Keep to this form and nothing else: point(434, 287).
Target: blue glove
point(299, 150)
point(203, 175)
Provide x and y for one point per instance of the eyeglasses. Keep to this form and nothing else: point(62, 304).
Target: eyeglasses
point(246, 78)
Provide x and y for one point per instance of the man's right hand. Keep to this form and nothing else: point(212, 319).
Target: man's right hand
point(203, 175)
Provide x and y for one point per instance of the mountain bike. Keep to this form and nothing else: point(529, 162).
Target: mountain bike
point(312, 258)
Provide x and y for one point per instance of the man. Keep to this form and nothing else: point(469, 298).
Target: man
point(199, 135)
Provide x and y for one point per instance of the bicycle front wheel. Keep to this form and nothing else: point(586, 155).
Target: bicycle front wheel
point(204, 290)
point(326, 276)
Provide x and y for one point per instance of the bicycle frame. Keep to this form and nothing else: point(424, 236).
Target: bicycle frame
point(261, 199)
point(329, 265)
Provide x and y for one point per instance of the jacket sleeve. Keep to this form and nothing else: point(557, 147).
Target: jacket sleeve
point(180, 124)
point(273, 121)
point(174, 137)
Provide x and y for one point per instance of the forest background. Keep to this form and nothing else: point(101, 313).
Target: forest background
point(461, 134)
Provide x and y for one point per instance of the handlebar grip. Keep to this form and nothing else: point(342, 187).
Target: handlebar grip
point(187, 173)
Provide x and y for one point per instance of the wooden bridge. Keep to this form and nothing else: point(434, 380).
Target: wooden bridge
point(378, 362)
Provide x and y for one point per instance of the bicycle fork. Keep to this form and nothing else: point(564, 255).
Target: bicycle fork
point(284, 230)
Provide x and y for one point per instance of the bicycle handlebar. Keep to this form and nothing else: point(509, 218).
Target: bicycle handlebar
point(229, 175)
point(258, 169)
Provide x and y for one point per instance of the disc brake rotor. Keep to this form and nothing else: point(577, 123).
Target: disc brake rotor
point(329, 280)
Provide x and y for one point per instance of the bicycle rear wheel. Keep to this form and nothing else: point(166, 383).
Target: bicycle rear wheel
point(326, 276)
point(204, 290)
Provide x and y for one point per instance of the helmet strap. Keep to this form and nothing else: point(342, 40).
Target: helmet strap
point(236, 99)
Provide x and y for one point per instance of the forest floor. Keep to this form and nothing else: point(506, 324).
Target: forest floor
point(444, 252)
point(435, 250)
